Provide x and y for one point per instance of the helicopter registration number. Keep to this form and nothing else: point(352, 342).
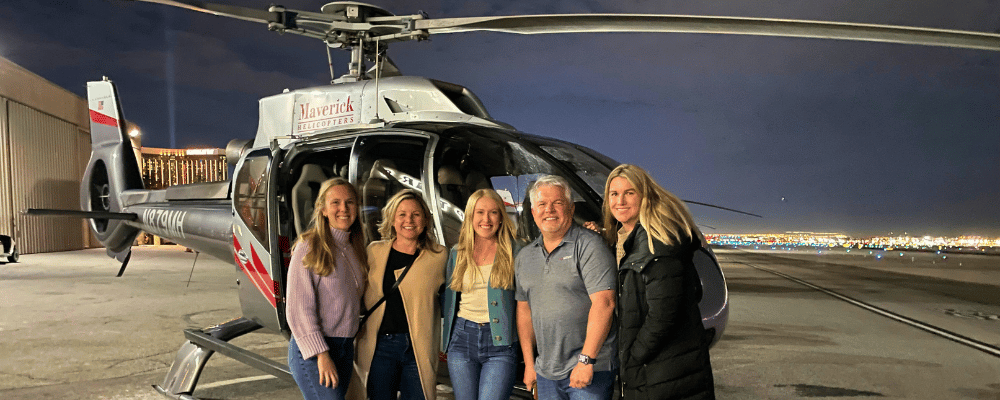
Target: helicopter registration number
point(167, 223)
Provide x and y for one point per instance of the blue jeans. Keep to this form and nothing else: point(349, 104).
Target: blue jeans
point(394, 369)
point(599, 389)
point(306, 372)
point(478, 369)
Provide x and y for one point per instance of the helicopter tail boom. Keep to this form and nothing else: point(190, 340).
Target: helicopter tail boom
point(113, 169)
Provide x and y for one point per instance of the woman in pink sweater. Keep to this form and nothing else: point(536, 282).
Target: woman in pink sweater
point(326, 279)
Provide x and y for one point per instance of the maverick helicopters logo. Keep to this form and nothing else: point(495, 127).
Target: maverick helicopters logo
point(320, 113)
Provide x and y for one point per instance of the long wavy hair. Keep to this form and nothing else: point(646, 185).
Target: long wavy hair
point(426, 240)
point(502, 276)
point(321, 259)
point(664, 216)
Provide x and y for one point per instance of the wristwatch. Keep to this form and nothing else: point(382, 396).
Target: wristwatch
point(585, 359)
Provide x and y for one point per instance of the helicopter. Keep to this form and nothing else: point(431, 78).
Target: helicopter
point(384, 132)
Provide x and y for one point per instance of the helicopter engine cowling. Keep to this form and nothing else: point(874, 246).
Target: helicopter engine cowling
point(112, 169)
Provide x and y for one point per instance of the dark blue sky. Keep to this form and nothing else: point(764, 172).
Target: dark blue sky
point(859, 138)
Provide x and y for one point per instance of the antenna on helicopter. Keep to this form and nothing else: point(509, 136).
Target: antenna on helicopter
point(377, 68)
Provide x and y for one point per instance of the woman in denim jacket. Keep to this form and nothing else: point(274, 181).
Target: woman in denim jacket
point(479, 332)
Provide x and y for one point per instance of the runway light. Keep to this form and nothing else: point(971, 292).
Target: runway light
point(879, 256)
point(900, 254)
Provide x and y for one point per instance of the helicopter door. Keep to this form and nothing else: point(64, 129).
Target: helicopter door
point(385, 165)
point(254, 240)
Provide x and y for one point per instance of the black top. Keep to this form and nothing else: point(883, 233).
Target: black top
point(394, 319)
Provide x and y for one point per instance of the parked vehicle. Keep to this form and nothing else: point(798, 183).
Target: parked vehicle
point(8, 250)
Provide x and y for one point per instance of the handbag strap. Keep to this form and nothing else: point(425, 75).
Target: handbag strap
point(395, 286)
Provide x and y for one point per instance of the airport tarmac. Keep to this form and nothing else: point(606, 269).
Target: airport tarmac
point(70, 329)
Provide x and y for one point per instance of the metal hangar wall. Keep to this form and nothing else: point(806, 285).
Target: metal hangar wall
point(44, 148)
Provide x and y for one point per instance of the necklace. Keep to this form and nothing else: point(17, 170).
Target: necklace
point(482, 253)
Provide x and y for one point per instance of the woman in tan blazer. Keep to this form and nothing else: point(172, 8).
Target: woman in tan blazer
point(398, 345)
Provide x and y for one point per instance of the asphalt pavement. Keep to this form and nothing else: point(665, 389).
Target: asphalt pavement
point(70, 329)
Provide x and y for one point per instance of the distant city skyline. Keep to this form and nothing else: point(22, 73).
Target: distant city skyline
point(842, 240)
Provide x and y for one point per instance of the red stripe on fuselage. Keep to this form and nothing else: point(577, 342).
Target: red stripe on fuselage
point(266, 284)
point(255, 271)
point(265, 278)
point(102, 119)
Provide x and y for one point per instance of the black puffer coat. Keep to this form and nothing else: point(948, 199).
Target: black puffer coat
point(662, 345)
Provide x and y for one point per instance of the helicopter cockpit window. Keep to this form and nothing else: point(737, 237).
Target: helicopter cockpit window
point(468, 159)
point(593, 172)
point(250, 195)
point(386, 165)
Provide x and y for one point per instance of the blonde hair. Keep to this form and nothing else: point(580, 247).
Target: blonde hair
point(502, 276)
point(320, 258)
point(663, 215)
point(426, 239)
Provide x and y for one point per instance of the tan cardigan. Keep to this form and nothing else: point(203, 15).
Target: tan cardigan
point(419, 290)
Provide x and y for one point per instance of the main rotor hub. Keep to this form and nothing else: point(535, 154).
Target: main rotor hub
point(353, 11)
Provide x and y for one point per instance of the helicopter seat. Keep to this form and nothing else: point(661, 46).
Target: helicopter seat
point(304, 195)
point(475, 180)
point(451, 185)
point(452, 190)
point(376, 191)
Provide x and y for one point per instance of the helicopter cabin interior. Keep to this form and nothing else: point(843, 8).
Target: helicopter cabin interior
point(463, 159)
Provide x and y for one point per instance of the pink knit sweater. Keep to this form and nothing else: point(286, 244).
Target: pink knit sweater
point(319, 306)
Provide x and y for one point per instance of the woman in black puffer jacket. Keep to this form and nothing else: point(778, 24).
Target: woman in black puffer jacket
point(662, 345)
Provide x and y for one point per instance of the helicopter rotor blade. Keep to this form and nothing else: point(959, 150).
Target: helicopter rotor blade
point(337, 23)
point(722, 208)
point(221, 10)
point(380, 24)
point(583, 23)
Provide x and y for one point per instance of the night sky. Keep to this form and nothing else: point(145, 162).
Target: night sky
point(827, 136)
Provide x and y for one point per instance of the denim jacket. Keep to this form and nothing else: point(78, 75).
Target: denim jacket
point(503, 326)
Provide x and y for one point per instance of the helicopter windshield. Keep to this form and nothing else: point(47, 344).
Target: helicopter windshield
point(591, 171)
point(471, 158)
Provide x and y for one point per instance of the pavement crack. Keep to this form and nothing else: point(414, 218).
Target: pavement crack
point(189, 318)
point(806, 390)
point(150, 357)
point(32, 378)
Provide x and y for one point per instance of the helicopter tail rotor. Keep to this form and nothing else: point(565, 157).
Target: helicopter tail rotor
point(113, 169)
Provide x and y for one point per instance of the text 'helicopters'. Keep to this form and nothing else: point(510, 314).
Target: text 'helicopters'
point(384, 132)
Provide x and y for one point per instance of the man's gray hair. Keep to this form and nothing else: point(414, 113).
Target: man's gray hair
point(550, 180)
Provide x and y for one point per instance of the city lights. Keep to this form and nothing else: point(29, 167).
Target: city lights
point(968, 244)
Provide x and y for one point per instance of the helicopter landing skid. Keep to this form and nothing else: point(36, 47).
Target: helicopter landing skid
point(193, 354)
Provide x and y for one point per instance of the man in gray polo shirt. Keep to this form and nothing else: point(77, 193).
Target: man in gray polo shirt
point(565, 295)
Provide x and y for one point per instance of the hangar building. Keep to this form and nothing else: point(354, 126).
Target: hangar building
point(44, 149)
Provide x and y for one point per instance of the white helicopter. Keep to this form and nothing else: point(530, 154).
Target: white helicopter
point(384, 132)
